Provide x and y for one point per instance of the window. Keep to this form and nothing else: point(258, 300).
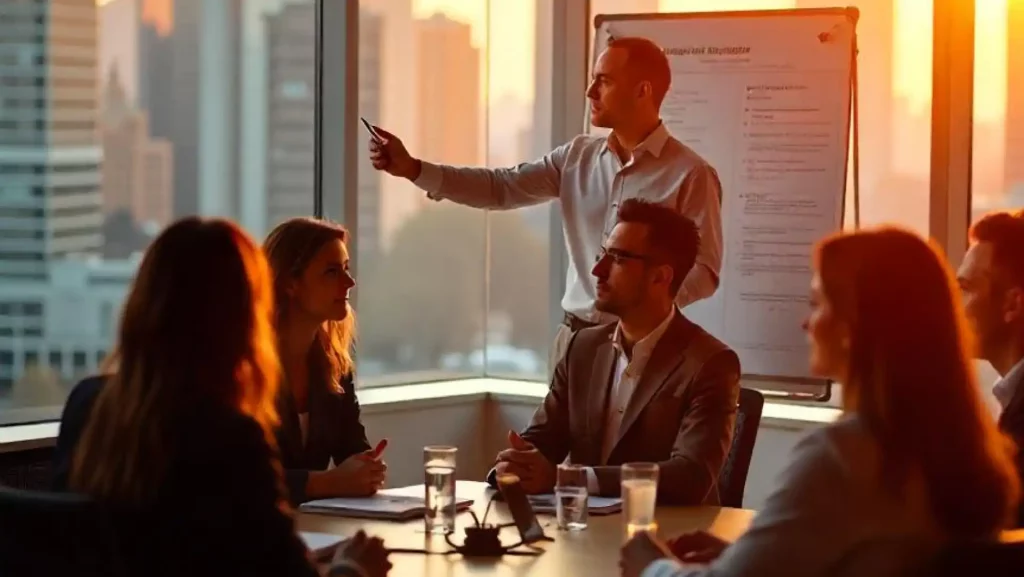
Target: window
point(998, 140)
point(136, 138)
point(895, 88)
point(446, 290)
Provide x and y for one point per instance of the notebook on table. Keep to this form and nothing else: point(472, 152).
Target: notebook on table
point(595, 505)
point(391, 504)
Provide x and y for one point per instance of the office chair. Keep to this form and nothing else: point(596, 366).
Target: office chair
point(55, 534)
point(733, 478)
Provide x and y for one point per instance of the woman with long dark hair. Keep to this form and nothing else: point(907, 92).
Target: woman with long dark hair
point(320, 417)
point(178, 439)
point(914, 461)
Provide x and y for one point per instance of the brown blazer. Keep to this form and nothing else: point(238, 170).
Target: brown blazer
point(681, 414)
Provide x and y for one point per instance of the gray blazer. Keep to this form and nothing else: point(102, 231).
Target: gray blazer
point(828, 516)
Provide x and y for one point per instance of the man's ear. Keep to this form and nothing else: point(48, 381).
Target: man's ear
point(644, 89)
point(1013, 305)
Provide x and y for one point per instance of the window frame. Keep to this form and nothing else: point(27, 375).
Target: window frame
point(338, 119)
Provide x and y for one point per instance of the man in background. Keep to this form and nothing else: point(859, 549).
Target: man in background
point(992, 280)
point(592, 176)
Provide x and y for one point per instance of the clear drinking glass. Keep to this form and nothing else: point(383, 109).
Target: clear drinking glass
point(639, 496)
point(571, 497)
point(439, 489)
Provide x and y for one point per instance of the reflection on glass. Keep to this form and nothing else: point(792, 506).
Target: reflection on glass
point(446, 290)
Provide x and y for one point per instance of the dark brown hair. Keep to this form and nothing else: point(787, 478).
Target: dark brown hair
point(1005, 232)
point(290, 247)
point(648, 62)
point(672, 237)
point(910, 378)
point(196, 329)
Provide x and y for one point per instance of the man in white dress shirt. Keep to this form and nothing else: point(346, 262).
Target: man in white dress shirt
point(991, 278)
point(591, 176)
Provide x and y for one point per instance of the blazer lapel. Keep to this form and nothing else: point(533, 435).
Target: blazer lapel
point(667, 356)
point(597, 394)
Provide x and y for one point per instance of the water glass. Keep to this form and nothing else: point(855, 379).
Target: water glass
point(571, 497)
point(439, 489)
point(639, 496)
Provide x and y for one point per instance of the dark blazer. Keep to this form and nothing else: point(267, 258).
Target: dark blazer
point(219, 509)
point(335, 431)
point(680, 415)
point(1011, 422)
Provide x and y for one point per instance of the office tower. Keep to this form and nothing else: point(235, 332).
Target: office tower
point(50, 157)
point(1013, 171)
point(155, 92)
point(370, 203)
point(137, 170)
point(119, 44)
point(291, 120)
point(448, 90)
point(205, 54)
point(50, 204)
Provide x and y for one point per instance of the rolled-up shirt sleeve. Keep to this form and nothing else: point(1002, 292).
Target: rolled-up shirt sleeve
point(700, 199)
point(495, 188)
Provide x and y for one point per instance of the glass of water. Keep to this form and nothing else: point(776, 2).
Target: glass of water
point(571, 497)
point(439, 489)
point(639, 496)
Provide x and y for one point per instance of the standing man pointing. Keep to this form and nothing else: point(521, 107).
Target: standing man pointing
point(592, 175)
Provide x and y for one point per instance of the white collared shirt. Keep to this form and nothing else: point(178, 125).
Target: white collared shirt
point(590, 181)
point(1006, 386)
point(627, 373)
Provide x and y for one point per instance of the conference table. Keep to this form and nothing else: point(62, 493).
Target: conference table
point(593, 551)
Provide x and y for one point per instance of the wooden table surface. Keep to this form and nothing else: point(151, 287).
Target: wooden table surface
point(594, 551)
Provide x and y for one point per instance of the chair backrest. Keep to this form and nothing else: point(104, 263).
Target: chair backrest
point(55, 534)
point(988, 558)
point(733, 479)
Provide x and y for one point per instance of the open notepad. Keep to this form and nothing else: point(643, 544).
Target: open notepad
point(392, 504)
point(595, 505)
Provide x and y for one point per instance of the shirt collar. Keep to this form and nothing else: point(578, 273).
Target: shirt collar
point(643, 348)
point(1007, 385)
point(654, 143)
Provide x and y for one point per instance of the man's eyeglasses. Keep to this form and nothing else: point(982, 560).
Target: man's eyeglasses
point(620, 256)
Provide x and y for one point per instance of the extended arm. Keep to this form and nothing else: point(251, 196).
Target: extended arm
point(495, 188)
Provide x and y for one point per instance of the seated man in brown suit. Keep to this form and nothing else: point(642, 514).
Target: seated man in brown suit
point(651, 387)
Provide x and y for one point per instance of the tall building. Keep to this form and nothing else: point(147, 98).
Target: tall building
point(205, 72)
point(291, 121)
point(50, 156)
point(155, 93)
point(137, 170)
point(119, 45)
point(370, 203)
point(448, 91)
point(50, 204)
point(1013, 179)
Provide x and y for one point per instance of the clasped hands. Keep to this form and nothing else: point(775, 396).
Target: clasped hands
point(536, 474)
